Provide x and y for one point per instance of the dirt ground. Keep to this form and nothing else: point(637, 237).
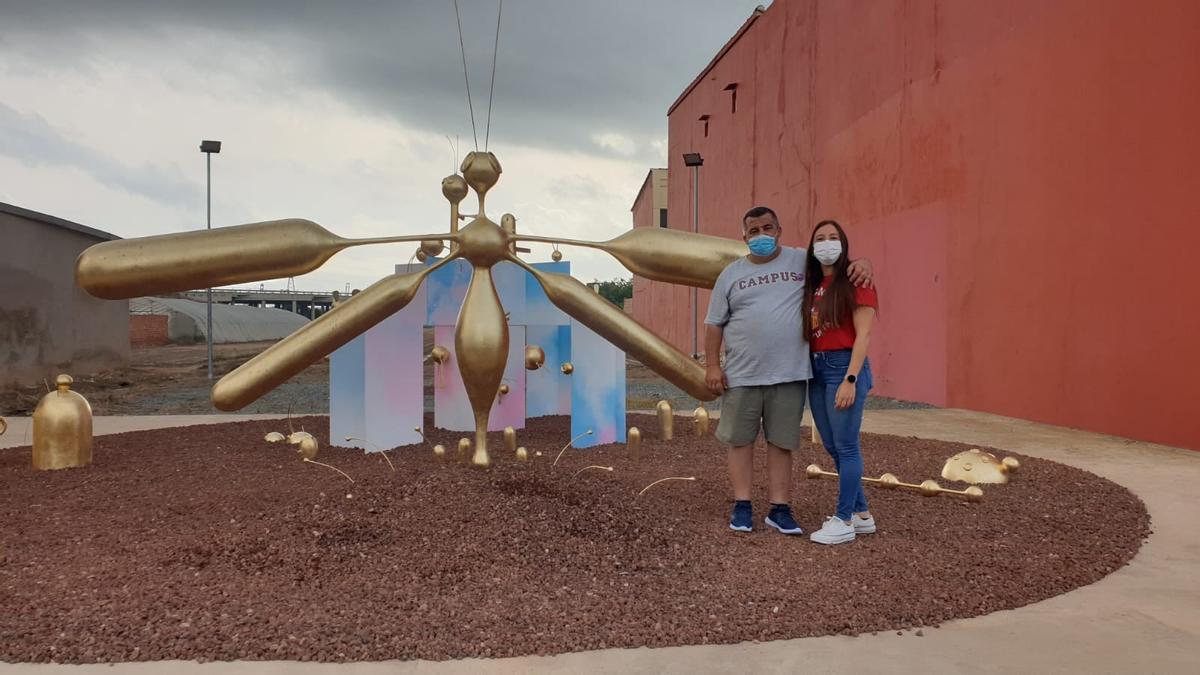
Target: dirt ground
point(173, 380)
point(209, 543)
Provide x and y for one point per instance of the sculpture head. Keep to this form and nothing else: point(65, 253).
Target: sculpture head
point(454, 188)
point(481, 170)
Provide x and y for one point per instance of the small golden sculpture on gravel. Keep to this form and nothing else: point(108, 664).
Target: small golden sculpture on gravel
point(666, 420)
point(929, 488)
point(62, 428)
point(976, 466)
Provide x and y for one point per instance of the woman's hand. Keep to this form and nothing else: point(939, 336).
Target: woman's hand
point(845, 396)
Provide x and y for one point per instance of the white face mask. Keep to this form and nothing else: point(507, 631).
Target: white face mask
point(827, 252)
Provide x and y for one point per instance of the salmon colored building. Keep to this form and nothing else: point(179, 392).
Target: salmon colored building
point(1022, 174)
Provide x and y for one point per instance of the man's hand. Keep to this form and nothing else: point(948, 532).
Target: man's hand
point(845, 396)
point(714, 377)
point(862, 273)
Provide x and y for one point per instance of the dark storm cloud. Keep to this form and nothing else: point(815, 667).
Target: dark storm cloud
point(567, 70)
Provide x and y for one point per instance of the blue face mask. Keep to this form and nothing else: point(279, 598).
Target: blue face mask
point(763, 245)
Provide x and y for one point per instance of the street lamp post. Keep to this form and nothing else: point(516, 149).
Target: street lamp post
point(208, 148)
point(694, 160)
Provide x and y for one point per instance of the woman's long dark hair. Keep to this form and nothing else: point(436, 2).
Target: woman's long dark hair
point(837, 304)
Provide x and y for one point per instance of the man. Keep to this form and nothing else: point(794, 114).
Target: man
point(755, 312)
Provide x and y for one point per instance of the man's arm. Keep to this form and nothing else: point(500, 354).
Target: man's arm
point(714, 375)
point(862, 273)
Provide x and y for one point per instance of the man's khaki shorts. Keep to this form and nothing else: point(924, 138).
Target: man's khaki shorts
point(777, 409)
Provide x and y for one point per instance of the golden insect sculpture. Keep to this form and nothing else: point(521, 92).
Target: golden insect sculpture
point(286, 248)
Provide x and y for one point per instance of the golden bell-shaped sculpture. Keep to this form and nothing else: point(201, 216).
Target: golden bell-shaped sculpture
point(633, 441)
point(535, 356)
point(700, 420)
point(666, 420)
point(975, 466)
point(522, 454)
point(439, 450)
point(556, 255)
point(567, 368)
point(62, 428)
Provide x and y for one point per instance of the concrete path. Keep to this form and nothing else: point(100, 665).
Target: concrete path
point(1144, 618)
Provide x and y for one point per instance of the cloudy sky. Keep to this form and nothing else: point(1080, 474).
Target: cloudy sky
point(339, 111)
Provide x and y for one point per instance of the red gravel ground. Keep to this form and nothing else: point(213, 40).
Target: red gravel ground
point(207, 543)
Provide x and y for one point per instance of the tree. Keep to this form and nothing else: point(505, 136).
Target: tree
point(615, 290)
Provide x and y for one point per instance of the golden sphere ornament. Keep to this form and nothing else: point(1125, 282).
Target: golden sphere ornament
point(432, 248)
point(535, 357)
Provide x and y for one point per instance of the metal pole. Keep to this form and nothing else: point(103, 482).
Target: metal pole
point(208, 156)
point(695, 229)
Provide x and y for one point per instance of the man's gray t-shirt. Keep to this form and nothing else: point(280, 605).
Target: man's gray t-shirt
point(759, 307)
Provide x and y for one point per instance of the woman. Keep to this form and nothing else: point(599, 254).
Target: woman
point(838, 331)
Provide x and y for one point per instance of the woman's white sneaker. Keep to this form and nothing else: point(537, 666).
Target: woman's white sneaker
point(834, 531)
point(863, 525)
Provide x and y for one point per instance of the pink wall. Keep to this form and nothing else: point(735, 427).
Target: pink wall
point(1020, 172)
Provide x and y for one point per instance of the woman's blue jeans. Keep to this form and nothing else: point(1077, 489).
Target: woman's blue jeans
point(839, 428)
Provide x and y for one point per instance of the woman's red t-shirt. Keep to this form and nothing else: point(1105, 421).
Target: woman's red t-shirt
point(830, 338)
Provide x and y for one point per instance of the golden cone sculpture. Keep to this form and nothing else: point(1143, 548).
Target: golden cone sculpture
point(700, 420)
point(62, 428)
point(666, 420)
point(283, 248)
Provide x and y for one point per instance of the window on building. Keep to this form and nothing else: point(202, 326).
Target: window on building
point(662, 217)
point(732, 89)
point(704, 119)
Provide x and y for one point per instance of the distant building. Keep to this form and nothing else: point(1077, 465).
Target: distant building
point(47, 323)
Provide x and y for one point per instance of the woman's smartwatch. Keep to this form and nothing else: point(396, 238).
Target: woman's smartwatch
point(851, 379)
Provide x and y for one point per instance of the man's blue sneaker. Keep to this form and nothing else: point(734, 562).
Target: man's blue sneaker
point(781, 519)
point(743, 518)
